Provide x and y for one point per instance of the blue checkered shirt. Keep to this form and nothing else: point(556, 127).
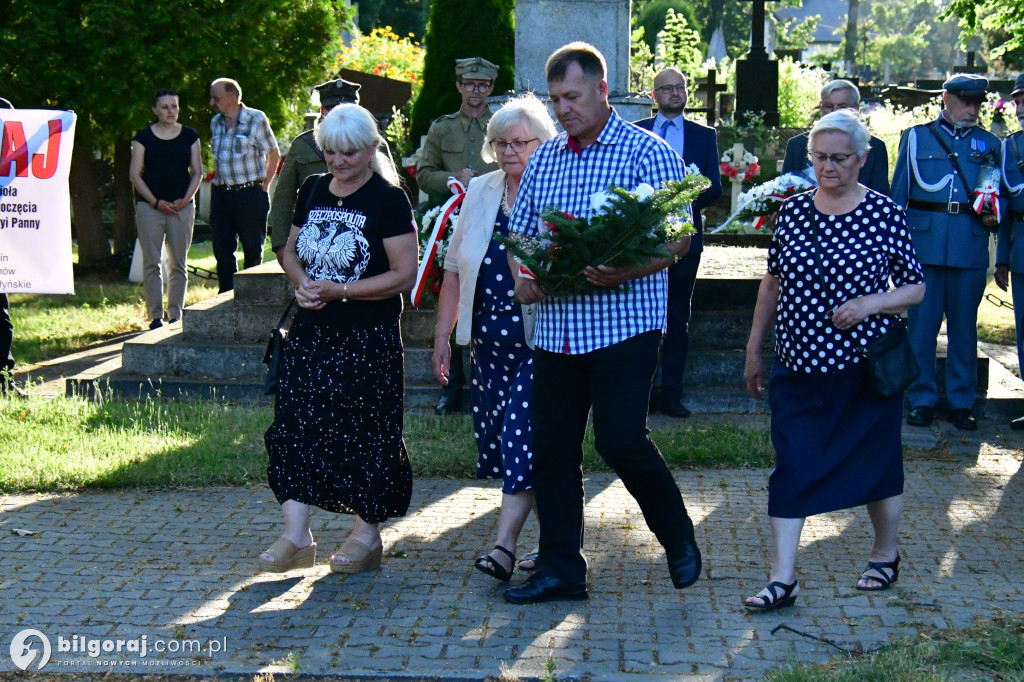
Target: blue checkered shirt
point(556, 176)
point(240, 154)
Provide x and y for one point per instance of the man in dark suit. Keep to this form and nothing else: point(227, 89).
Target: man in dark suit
point(836, 95)
point(697, 144)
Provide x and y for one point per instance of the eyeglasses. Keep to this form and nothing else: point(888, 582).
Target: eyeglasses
point(517, 146)
point(819, 159)
point(669, 89)
point(475, 86)
point(829, 108)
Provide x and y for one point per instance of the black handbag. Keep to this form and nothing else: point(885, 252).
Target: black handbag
point(891, 364)
point(275, 349)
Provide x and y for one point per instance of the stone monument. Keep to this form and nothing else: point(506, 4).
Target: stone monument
point(543, 26)
point(757, 74)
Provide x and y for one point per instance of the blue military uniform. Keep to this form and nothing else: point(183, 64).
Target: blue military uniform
point(952, 244)
point(1010, 245)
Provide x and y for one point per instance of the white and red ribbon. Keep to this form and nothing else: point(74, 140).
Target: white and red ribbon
point(436, 237)
point(987, 195)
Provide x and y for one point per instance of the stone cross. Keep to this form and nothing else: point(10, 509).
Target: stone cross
point(738, 163)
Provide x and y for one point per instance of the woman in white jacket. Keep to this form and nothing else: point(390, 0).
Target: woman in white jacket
point(478, 294)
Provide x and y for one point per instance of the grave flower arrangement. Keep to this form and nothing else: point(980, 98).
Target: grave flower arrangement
point(435, 233)
point(627, 228)
point(764, 199)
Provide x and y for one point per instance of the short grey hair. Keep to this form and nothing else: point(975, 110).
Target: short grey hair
point(229, 85)
point(840, 84)
point(843, 121)
point(348, 127)
point(526, 109)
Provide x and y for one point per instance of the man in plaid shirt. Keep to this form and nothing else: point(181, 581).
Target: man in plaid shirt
point(598, 351)
point(245, 157)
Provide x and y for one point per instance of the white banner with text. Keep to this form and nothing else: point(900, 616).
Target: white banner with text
point(35, 203)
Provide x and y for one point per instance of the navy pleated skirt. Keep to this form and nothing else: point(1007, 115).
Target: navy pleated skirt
point(837, 445)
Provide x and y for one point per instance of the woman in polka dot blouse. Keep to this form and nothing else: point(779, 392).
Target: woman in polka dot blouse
point(837, 444)
point(478, 292)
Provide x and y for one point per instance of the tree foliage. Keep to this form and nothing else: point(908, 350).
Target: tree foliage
point(454, 33)
point(401, 16)
point(105, 58)
point(1003, 16)
point(678, 44)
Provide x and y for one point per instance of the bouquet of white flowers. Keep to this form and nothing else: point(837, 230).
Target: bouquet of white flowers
point(765, 199)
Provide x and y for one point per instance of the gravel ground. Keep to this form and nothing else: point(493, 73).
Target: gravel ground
point(732, 261)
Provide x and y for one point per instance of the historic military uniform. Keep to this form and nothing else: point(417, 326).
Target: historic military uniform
point(952, 244)
point(304, 159)
point(454, 141)
point(1010, 245)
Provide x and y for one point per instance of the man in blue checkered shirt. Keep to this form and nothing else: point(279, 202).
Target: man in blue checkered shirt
point(597, 351)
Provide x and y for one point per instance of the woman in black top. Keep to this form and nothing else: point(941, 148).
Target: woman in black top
point(336, 441)
point(837, 444)
point(166, 170)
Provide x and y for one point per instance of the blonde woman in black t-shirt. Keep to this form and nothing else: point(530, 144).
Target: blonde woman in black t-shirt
point(336, 441)
point(166, 170)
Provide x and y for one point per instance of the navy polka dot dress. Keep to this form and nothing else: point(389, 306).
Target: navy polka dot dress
point(502, 373)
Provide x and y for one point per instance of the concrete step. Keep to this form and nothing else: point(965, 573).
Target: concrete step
point(221, 319)
point(264, 284)
point(726, 293)
point(160, 353)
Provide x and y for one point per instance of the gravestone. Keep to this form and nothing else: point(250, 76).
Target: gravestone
point(543, 26)
point(757, 74)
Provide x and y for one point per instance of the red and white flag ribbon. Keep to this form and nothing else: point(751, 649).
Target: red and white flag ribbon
point(436, 237)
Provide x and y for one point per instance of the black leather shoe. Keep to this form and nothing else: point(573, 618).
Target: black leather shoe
point(673, 407)
point(685, 567)
point(1017, 424)
point(450, 401)
point(962, 420)
point(922, 415)
point(541, 587)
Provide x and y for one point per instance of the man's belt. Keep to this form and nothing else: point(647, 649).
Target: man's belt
point(953, 207)
point(241, 185)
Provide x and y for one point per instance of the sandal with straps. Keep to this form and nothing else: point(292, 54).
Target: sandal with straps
point(487, 564)
point(287, 557)
point(772, 599)
point(876, 571)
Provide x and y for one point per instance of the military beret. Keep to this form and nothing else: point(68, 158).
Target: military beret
point(333, 93)
point(967, 86)
point(1018, 85)
point(476, 68)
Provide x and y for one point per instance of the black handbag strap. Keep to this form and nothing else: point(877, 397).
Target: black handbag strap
point(309, 202)
point(937, 133)
point(288, 309)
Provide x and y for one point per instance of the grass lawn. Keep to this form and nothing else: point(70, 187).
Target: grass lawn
point(995, 321)
point(50, 325)
point(992, 650)
point(66, 444)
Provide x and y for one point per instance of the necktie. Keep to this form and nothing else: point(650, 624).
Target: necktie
point(664, 128)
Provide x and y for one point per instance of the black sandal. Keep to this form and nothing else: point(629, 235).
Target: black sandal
point(773, 600)
point(879, 567)
point(489, 565)
point(532, 556)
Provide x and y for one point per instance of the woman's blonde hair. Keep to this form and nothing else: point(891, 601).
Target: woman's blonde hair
point(348, 127)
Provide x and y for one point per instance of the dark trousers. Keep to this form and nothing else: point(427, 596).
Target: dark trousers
point(6, 335)
point(681, 278)
point(456, 372)
point(614, 382)
point(237, 215)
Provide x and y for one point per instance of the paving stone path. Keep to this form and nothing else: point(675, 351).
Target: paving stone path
point(177, 568)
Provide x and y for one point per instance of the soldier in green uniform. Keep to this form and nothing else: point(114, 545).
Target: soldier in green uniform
point(452, 148)
point(304, 159)
point(454, 141)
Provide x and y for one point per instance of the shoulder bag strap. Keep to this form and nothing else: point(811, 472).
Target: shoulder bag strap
point(933, 127)
point(1016, 148)
point(309, 203)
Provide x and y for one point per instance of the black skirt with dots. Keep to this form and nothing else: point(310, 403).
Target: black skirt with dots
point(336, 441)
